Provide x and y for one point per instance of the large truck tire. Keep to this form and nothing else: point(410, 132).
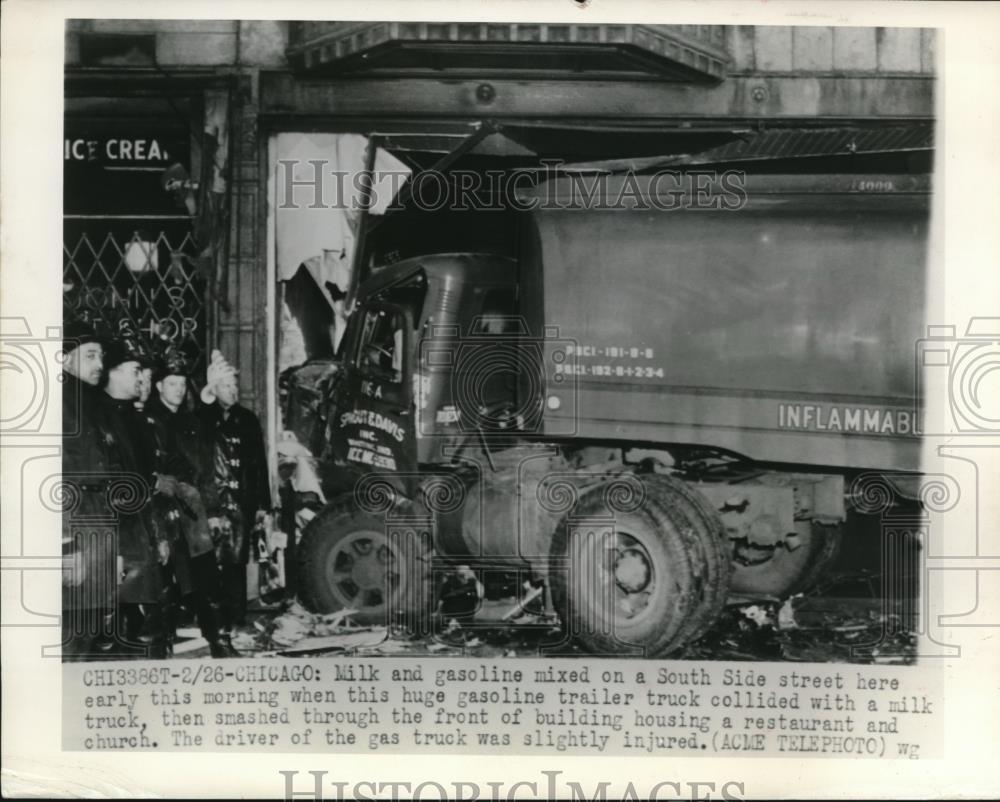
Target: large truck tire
point(349, 558)
point(651, 581)
point(786, 572)
point(718, 563)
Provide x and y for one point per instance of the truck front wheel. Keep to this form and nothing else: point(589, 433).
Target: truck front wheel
point(643, 581)
point(351, 559)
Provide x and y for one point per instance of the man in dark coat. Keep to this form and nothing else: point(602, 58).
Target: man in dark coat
point(142, 546)
point(185, 453)
point(89, 555)
point(241, 478)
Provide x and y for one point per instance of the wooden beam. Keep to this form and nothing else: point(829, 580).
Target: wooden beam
point(801, 99)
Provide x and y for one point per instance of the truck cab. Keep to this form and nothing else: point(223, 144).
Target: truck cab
point(414, 322)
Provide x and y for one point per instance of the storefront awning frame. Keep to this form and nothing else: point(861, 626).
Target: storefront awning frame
point(291, 102)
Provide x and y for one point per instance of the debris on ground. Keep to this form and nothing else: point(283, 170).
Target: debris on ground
point(391, 646)
point(245, 641)
point(759, 615)
point(184, 645)
point(523, 606)
point(343, 642)
point(287, 630)
point(296, 623)
point(461, 594)
point(816, 629)
point(296, 631)
point(786, 615)
point(842, 622)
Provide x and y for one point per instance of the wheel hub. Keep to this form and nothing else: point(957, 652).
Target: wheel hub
point(632, 570)
point(369, 570)
point(362, 569)
point(628, 569)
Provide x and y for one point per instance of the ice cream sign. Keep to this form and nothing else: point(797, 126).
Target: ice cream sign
point(115, 150)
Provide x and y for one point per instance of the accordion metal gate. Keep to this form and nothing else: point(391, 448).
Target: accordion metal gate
point(139, 281)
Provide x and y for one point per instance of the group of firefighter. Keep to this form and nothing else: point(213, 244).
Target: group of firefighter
point(165, 486)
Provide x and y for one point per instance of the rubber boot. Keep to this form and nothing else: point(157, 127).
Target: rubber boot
point(125, 625)
point(154, 633)
point(219, 642)
point(234, 595)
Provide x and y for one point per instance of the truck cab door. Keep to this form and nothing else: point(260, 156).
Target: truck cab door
point(373, 429)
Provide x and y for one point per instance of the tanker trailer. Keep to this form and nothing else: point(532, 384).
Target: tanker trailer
point(649, 399)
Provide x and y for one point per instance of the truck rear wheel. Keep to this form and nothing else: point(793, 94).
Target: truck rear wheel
point(350, 559)
point(649, 579)
point(781, 572)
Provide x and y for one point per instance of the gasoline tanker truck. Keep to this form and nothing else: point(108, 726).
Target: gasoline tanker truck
point(645, 400)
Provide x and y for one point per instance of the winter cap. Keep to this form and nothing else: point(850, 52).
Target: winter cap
point(125, 349)
point(77, 332)
point(173, 362)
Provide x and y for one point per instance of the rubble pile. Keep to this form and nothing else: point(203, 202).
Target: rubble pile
point(815, 629)
point(855, 627)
